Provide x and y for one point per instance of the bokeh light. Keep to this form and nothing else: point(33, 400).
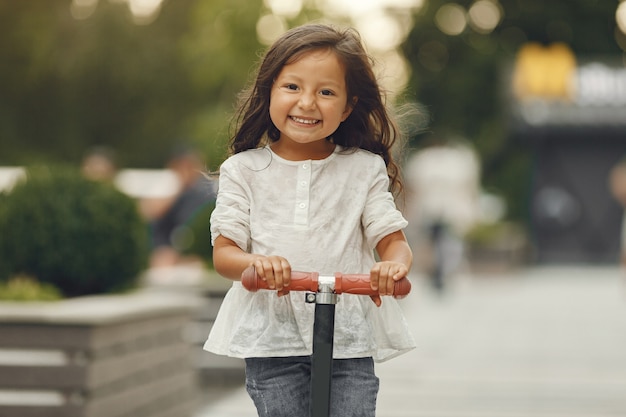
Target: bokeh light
point(285, 8)
point(620, 16)
point(485, 15)
point(144, 11)
point(380, 31)
point(269, 27)
point(451, 19)
point(393, 71)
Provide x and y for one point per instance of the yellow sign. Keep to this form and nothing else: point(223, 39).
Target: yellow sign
point(546, 72)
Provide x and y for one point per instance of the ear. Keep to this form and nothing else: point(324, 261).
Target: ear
point(349, 107)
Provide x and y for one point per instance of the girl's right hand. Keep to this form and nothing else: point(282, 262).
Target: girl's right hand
point(275, 270)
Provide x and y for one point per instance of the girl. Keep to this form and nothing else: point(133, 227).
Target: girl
point(308, 188)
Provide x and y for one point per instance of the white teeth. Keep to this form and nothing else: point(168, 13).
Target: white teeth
point(305, 121)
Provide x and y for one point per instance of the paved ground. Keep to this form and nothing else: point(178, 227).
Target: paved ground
point(541, 342)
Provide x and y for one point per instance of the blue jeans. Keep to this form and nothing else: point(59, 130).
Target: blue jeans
point(281, 387)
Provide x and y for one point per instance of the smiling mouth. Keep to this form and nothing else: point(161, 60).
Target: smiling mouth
point(304, 121)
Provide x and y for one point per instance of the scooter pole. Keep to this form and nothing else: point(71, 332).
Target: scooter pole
point(323, 338)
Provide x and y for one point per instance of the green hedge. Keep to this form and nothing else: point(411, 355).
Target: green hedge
point(81, 236)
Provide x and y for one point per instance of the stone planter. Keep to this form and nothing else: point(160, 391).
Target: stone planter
point(100, 356)
point(213, 370)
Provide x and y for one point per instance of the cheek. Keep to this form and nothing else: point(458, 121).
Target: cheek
point(274, 111)
point(341, 112)
point(277, 115)
point(279, 105)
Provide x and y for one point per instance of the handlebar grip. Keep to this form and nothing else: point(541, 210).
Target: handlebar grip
point(360, 284)
point(300, 281)
point(308, 281)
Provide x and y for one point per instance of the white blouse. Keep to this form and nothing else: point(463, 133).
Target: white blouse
point(321, 215)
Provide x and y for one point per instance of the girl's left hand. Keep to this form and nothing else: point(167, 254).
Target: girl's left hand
point(383, 277)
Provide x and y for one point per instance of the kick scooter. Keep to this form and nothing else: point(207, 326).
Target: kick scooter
point(323, 291)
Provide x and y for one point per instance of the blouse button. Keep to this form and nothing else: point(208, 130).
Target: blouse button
point(303, 183)
point(302, 205)
point(305, 166)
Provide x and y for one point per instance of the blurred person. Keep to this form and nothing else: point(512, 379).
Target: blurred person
point(617, 184)
point(99, 164)
point(169, 217)
point(443, 187)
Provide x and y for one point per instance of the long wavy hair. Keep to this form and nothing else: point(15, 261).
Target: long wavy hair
point(369, 126)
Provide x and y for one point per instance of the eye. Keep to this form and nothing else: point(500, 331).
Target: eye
point(326, 92)
point(291, 87)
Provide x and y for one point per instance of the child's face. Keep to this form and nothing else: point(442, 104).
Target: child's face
point(309, 100)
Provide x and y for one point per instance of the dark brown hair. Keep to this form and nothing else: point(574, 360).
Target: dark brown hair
point(368, 127)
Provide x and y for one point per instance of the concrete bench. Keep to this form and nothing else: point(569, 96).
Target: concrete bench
point(101, 356)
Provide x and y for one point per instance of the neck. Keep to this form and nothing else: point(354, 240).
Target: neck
point(303, 151)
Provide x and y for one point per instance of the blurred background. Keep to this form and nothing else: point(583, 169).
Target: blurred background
point(536, 89)
point(514, 168)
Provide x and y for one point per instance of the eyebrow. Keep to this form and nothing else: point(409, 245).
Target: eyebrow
point(328, 82)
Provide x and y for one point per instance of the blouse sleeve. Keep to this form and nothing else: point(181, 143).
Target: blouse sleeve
point(231, 217)
point(381, 216)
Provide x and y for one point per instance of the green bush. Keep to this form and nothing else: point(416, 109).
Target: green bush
point(81, 236)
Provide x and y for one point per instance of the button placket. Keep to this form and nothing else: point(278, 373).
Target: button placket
point(301, 212)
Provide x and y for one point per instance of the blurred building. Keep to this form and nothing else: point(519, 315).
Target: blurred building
point(571, 112)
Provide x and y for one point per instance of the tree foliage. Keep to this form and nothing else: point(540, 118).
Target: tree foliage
point(69, 84)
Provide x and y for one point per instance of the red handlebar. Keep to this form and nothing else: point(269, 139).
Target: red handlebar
point(308, 281)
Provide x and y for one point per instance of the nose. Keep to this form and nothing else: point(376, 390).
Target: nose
point(307, 101)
